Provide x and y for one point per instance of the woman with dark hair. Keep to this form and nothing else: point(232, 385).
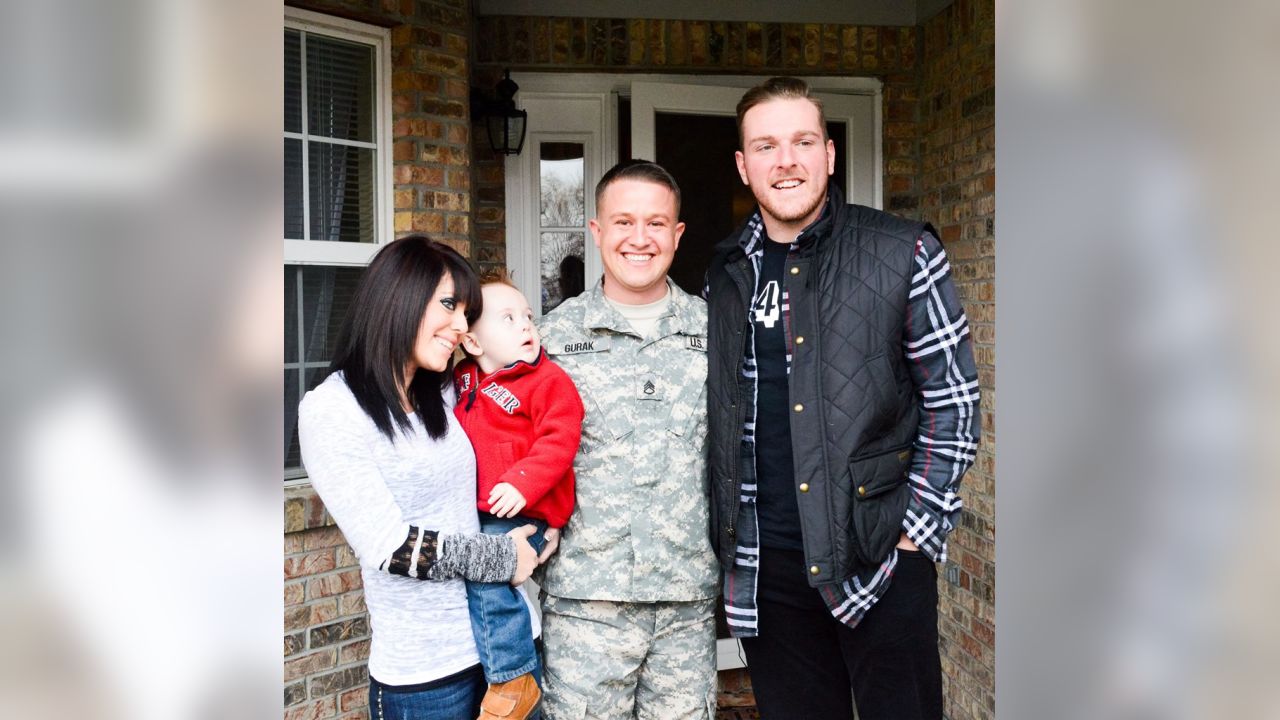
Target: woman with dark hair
point(395, 470)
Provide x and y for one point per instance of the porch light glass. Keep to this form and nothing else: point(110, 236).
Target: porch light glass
point(506, 124)
point(506, 131)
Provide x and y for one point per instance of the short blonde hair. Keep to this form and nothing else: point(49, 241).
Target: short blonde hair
point(497, 276)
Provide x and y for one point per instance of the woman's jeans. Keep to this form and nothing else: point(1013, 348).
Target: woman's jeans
point(499, 616)
point(454, 698)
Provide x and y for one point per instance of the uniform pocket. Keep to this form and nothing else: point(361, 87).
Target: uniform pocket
point(880, 495)
point(689, 412)
point(606, 421)
point(596, 372)
point(688, 383)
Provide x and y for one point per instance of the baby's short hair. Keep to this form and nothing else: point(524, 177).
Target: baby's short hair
point(496, 276)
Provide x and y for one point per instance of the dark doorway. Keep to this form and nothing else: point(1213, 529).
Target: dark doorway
point(698, 151)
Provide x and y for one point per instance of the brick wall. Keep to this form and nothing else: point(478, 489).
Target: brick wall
point(489, 176)
point(326, 627)
point(693, 46)
point(957, 194)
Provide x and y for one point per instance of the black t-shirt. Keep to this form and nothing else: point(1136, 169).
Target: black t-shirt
point(776, 508)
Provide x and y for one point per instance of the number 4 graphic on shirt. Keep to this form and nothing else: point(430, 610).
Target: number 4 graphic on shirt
point(766, 307)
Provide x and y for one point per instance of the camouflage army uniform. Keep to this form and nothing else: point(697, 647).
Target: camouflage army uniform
point(627, 619)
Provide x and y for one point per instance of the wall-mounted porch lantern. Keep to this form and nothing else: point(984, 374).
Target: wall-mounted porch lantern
point(504, 122)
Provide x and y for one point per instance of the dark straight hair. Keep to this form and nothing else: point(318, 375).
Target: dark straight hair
point(381, 328)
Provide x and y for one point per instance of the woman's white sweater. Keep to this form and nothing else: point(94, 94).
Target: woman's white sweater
point(387, 498)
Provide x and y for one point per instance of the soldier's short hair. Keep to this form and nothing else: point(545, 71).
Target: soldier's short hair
point(644, 170)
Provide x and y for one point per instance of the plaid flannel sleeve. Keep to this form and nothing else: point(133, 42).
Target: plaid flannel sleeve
point(939, 354)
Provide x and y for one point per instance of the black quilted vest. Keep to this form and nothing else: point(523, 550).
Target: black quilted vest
point(853, 408)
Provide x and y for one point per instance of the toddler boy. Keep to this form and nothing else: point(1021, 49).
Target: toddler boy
point(524, 418)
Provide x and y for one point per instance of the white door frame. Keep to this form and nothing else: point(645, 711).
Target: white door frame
point(564, 105)
point(554, 117)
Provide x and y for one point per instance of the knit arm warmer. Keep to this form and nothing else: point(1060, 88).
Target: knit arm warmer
point(427, 555)
point(350, 464)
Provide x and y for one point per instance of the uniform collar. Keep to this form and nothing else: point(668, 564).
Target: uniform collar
point(680, 318)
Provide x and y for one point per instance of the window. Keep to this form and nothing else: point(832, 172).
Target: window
point(337, 183)
point(562, 221)
point(550, 196)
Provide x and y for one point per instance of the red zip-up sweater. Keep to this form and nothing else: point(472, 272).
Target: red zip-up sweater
point(525, 422)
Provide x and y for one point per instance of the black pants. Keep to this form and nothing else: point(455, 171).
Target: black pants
point(806, 664)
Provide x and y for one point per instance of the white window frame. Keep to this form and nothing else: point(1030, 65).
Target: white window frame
point(345, 254)
point(321, 252)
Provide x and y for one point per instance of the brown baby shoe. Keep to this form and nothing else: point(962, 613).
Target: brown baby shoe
point(511, 700)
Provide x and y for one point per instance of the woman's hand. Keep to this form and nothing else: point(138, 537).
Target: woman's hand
point(526, 557)
point(553, 543)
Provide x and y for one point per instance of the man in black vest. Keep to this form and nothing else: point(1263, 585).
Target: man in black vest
point(843, 411)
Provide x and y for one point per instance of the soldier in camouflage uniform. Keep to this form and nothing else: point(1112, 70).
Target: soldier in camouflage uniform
point(628, 622)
